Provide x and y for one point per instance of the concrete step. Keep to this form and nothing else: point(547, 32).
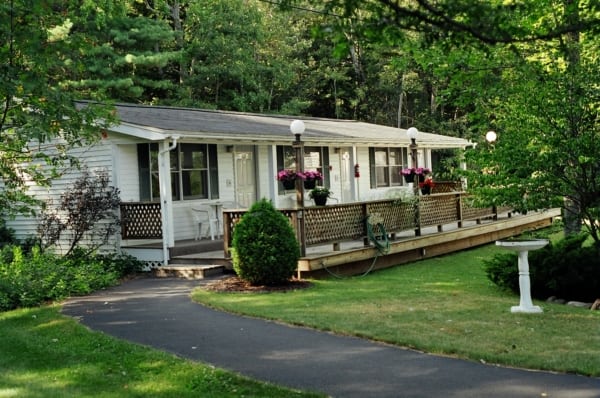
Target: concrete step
point(189, 271)
point(200, 259)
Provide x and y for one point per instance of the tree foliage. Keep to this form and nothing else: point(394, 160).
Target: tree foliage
point(39, 121)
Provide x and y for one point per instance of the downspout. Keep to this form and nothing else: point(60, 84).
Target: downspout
point(166, 196)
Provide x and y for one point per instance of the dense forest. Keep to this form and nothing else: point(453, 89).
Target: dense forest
point(527, 70)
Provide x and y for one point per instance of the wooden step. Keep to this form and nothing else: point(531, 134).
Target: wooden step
point(189, 271)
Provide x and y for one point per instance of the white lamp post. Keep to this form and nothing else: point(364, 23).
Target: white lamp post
point(491, 136)
point(412, 133)
point(297, 128)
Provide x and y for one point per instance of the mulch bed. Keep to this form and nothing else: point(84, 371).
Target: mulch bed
point(235, 284)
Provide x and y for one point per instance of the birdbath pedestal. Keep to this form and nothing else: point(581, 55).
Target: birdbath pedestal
point(523, 247)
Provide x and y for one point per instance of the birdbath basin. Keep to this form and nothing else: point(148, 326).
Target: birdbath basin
point(522, 247)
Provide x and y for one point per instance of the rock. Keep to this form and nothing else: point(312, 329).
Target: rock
point(596, 305)
point(555, 300)
point(579, 304)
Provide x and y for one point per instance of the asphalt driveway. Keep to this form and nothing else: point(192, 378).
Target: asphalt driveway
point(159, 313)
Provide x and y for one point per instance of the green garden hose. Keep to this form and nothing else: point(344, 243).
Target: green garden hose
point(381, 242)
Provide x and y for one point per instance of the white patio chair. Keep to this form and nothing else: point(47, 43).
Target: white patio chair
point(205, 215)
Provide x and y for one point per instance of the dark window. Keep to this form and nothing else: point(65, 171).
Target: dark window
point(194, 172)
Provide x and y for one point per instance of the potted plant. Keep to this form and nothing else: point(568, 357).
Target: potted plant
point(427, 185)
point(319, 195)
point(311, 177)
point(409, 173)
point(288, 178)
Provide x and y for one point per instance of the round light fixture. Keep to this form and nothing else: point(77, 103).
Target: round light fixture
point(297, 127)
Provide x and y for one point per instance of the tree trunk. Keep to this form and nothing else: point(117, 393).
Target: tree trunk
point(572, 222)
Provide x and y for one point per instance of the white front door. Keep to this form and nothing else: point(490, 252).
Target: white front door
point(245, 175)
point(346, 174)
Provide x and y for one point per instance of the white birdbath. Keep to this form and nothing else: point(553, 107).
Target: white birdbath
point(523, 247)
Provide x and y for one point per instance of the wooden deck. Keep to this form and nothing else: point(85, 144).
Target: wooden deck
point(353, 257)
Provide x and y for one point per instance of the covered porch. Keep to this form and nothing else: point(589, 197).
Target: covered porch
point(346, 239)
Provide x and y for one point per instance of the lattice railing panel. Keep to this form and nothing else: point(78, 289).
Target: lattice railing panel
point(337, 223)
point(470, 212)
point(395, 216)
point(141, 221)
point(447, 186)
point(438, 210)
point(333, 223)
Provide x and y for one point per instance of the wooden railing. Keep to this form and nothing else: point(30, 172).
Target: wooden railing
point(343, 222)
point(141, 220)
point(333, 223)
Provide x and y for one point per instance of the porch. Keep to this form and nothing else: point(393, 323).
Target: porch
point(353, 238)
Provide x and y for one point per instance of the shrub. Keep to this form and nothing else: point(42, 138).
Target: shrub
point(7, 235)
point(567, 269)
point(265, 249)
point(29, 279)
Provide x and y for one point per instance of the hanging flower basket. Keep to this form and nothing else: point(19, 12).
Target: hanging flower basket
point(288, 184)
point(409, 174)
point(310, 184)
point(408, 178)
point(288, 178)
point(310, 177)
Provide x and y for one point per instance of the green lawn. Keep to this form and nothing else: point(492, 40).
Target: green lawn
point(443, 305)
point(45, 354)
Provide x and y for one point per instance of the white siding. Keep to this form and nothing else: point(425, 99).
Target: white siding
point(98, 157)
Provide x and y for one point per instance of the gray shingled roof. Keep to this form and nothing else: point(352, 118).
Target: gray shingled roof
point(224, 125)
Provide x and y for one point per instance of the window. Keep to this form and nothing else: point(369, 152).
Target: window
point(194, 172)
point(385, 165)
point(315, 158)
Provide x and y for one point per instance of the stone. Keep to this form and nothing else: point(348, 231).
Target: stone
point(555, 300)
point(579, 304)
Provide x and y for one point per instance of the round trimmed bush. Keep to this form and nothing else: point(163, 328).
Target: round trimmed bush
point(264, 247)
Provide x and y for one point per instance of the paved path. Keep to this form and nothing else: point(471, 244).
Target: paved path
point(159, 313)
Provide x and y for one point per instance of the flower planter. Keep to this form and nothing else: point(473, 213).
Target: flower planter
point(310, 184)
point(426, 190)
point(288, 184)
point(408, 178)
point(320, 200)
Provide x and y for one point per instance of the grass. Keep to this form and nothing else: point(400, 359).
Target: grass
point(45, 354)
point(444, 305)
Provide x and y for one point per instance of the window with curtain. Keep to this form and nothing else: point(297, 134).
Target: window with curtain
point(385, 165)
point(194, 172)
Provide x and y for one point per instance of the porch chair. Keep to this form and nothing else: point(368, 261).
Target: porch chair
point(202, 215)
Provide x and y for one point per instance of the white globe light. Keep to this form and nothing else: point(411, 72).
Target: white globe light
point(297, 127)
point(412, 133)
point(491, 136)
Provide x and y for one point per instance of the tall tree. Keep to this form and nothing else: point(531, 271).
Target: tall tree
point(528, 69)
point(39, 121)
